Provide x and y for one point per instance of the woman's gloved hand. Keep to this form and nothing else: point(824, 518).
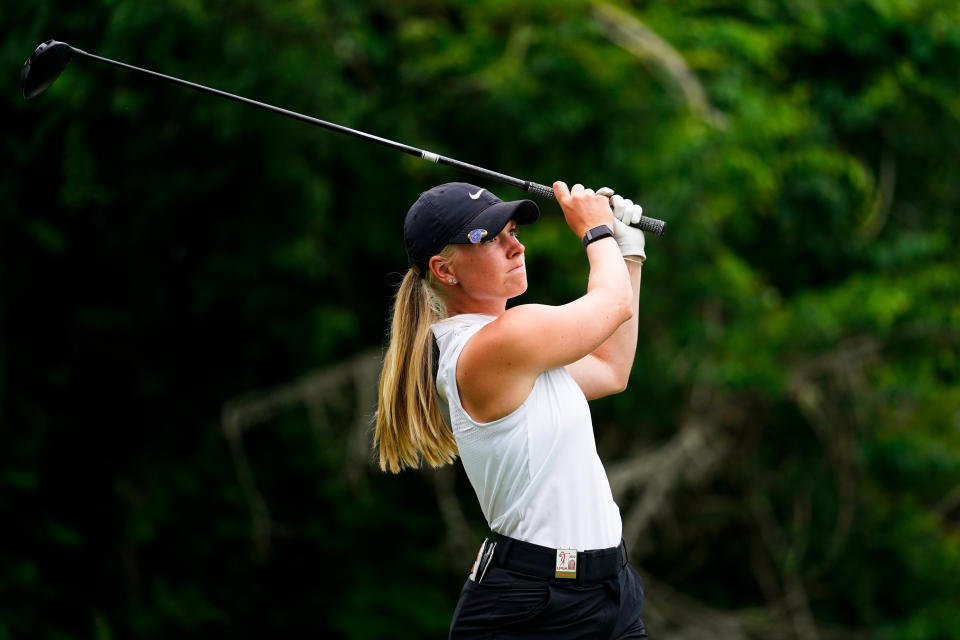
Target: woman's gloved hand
point(631, 240)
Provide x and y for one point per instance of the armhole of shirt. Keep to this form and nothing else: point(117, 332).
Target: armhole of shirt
point(455, 389)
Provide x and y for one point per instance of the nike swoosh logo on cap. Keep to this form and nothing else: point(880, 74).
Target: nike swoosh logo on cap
point(474, 196)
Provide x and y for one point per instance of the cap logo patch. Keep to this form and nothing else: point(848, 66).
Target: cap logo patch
point(476, 235)
point(474, 196)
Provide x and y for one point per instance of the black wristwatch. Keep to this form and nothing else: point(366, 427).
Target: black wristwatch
point(596, 233)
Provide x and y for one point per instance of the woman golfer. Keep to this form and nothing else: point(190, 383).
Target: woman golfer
point(513, 387)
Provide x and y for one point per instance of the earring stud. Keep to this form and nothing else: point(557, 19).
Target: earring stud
point(452, 281)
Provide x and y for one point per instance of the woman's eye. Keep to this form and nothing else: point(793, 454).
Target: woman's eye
point(512, 233)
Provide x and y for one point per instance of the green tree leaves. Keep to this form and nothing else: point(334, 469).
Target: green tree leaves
point(785, 455)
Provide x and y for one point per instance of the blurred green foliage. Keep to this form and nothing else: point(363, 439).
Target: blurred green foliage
point(164, 252)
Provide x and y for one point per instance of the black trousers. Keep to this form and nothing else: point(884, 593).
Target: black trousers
point(511, 604)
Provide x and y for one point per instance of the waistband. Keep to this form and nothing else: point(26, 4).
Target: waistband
point(595, 565)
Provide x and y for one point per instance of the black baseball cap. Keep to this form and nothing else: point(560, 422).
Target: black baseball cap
point(458, 213)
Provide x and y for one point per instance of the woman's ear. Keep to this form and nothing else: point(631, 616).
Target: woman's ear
point(442, 270)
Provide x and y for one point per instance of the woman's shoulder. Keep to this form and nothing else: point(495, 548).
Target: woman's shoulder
point(454, 332)
point(461, 322)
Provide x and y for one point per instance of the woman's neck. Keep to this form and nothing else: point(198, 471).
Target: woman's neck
point(484, 307)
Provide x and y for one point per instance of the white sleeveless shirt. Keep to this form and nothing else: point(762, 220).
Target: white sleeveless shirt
point(536, 471)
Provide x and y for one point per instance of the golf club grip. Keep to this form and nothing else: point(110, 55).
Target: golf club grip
point(647, 224)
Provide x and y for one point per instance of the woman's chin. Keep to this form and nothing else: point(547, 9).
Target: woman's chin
point(519, 288)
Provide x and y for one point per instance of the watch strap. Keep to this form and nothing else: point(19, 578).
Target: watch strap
point(596, 233)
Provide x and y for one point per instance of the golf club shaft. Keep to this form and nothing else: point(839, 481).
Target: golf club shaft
point(648, 224)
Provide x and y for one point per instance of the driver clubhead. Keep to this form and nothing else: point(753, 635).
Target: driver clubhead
point(43, 67)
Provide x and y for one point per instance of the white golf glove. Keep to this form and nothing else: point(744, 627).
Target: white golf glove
point(625, 213)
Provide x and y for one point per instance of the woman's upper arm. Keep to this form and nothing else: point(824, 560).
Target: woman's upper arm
point(596, 378)
point(529, 339)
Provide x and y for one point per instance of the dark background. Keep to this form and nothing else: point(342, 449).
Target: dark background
point(194, 299)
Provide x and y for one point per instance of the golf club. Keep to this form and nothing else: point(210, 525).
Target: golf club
point(50, 59)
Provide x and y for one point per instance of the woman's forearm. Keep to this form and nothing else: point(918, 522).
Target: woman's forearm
point(618, 351)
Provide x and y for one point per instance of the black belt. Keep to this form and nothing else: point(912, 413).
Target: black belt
point(596, 565)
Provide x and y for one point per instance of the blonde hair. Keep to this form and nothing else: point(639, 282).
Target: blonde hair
point(410, 426)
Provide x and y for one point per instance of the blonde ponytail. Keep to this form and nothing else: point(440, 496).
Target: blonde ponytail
point(410, 426)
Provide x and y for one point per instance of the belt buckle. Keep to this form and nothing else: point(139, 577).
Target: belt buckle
point(566, 566)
